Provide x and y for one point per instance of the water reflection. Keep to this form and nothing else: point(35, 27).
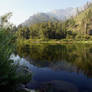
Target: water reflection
point(59, 68)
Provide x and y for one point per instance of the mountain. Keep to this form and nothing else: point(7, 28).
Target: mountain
point(63, 14)
point(38, 18)
point(55, 15)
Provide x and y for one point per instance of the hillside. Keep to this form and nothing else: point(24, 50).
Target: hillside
point(83, 21)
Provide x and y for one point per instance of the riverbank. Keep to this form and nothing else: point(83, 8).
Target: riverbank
point(65, 41)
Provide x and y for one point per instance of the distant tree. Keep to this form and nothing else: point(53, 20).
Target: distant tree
point(45, 30)
point(78, 11)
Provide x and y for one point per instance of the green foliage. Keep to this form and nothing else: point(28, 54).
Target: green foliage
point(23, 33)
point(83, 21)
point(46, 30)
point(7, 71)
point(70, 22)
point(9, 78)
point(71, 35)
point(83, 37)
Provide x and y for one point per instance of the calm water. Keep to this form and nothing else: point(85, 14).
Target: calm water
point(58, 68)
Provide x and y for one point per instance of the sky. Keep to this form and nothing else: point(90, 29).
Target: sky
point(23, 9)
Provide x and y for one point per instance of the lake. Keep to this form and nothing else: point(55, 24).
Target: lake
point(58, 68)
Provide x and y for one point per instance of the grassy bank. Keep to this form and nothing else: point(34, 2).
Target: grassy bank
point(64, 41)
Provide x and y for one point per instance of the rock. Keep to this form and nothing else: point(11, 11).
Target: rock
point(23, 74)
point(25, 90)
point(23, 70)
point(22, 88)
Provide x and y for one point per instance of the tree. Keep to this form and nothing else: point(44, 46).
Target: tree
point(5, 20)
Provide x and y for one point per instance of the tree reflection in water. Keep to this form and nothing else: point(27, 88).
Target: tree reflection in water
point(59, 68)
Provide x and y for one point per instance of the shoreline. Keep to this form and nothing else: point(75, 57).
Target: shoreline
point(56, 42)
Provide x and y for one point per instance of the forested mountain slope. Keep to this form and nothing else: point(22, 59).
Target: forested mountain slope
point(83, 21)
